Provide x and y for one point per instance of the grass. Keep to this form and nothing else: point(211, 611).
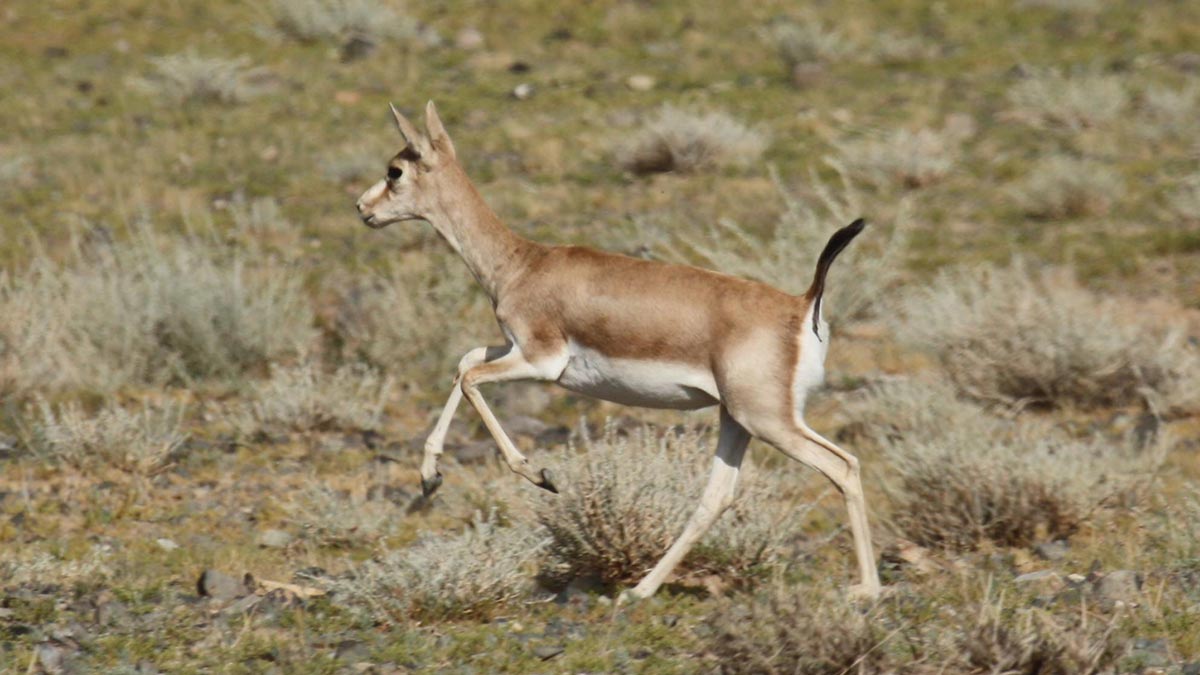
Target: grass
point(177, 234)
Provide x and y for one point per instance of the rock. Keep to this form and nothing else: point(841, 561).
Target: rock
point(242, 606)
point(167, 544)
point(522, 91)
point(1149, 653)
point(1052, 550)
point(274, 539)
point(468, 39)
point(670, 620)
point(640, 82)
point(1119, 586)
point(352, 651)
point(52, 658)
point(347, 97)
point(356, 48)
point(547, 652)
point(220, 586)
point(1045, 582)
point(524, 425)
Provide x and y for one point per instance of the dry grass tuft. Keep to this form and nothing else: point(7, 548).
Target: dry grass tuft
point(1171, 112)
point(627, 498)
point(23, 566)
point(188, 77)
point(794, 630)
point(1184, 201)
point(683, 141)
point(912, 159)
point(471, 574)
point(1011, 336)
point(341, 20)
point(337, 519)
point(808, 41)
point(1066, 187)
point(302, 398)
point(147, 311)
point(137, 442)
point(1074, 102)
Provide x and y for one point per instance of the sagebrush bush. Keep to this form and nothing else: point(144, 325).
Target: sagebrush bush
point(684, 141)
point(909, 158)
point(796, 631)
point(13, 168)
point(1034, 641)
point(1065, 187)
point(1075, 102)
point(625, 499)
point(148, 310)
point(1170, 112)
point(418, 318)
point(302, 398)
point(470, 574)
point(1015, 336)
point(808, 41)
point(23, 566)
point(860, 282)
point(135, 441)
point(1184, 201)
point(337, 519)
point(188, 76)
point(342, 20)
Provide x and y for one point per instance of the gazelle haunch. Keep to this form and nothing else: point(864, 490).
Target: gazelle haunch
point(633, 331)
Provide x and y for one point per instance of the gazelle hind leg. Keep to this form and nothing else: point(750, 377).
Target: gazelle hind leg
point(512, 366)
point(804, 445)
point(718, 495)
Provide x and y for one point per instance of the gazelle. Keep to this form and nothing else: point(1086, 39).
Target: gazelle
point(633, 331)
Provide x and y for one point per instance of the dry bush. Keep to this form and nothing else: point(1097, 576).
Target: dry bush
point(302, 398)
point(808, 41)
point(911, 159)
point(138, 442)
point(795, 630)
point(1066, 187)
point(860, 281)
point(13, 169)
point(147, 310)
point(1184, 201)
point(1075, 102)
point(1067, 6)
point(258, 216)
point(1171, 112)
point(23, 565)
point(352, 163)
point(1011, 336)
point(420, 319)
point(337, 519)
point(188, 76)
point(916, 411)
point(626, 499)
point(1032, 641)
point(679, 140)
point(342, 20)
point(471, 574)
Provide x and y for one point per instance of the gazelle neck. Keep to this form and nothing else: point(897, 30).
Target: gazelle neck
point(493, 253)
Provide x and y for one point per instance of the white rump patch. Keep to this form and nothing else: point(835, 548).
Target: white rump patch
point(810, 369)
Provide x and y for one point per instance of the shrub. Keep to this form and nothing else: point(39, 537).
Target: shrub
point(1065, 187)
point(351, 163)
point(1074, 102)
point(13, 168)
point(333, 519)
point(137, 442)
point(796, 631)
point(147, 311)
point(190, 77)
point(471, 574)
point(678, 140)
point(859, 282)
point(1184, 202)
point(626, 499)
point(1171, 111)
point(808, 41)
point(341, 20)
point(1010, 336)
point(420, 317)
point(912, 159)
point(22, 565)
point(301, 398)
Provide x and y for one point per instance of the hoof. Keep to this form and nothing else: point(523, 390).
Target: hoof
point(547, 482)
point(428, 487)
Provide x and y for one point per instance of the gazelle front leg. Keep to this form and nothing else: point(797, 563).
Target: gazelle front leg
point(431, 478)
point(512, 366)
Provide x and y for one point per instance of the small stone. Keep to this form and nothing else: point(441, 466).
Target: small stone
point(220, 586)
point(547, 652)
point(524, 425)
point(1122, 586)
point(640, 82)
point(353, 651)
point(242, 606)
point(522, 91)
point(469, 39)
point(269, 153)
point(274, 539)
point(670, 620)
point(1045, 582)
point(51, 657)
point(1052, 550)
point(166, 544)
point(347, 97)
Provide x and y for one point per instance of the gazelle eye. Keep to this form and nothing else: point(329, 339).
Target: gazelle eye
point(394, 173)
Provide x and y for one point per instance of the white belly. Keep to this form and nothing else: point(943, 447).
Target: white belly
point(649, 384)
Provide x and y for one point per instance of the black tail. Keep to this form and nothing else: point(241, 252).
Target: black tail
point(840, 240)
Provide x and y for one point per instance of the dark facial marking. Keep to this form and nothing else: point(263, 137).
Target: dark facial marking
point(409, 153)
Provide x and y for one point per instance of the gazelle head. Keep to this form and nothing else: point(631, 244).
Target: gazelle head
point(416, 176)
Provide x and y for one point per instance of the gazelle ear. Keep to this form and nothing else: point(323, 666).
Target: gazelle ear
point(437, 133)
point(409, 132)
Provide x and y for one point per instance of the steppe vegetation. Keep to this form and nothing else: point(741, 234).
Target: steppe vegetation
point(215, 383)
